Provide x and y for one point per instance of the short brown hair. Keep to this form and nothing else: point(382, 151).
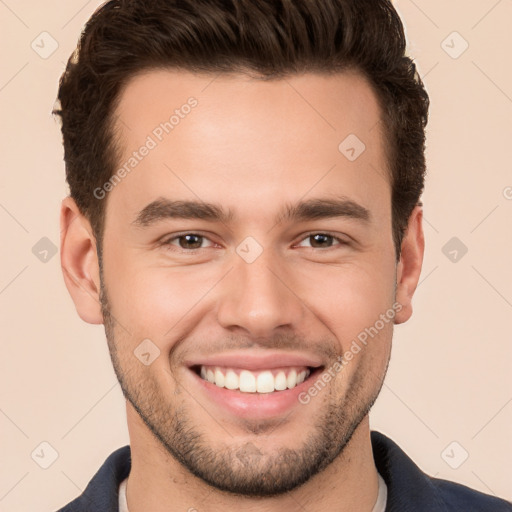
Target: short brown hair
point(273, 38)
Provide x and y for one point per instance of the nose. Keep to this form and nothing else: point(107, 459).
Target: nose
point(259, 297)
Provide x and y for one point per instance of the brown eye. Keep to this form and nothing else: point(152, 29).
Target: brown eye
point(186, 241)
point(190, 241)
point(323, 241)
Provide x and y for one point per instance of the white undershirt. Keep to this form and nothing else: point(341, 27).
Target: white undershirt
point(382, 497)
point(123, 506)
point(380, 504)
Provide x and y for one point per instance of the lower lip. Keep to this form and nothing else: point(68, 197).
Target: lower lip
point(256, 405)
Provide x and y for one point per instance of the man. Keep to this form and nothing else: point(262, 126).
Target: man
point(245, 220)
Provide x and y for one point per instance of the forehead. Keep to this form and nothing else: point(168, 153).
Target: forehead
point(334, 102)
point(243, 138)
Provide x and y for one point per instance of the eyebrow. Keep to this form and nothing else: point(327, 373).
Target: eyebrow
point(312, 209)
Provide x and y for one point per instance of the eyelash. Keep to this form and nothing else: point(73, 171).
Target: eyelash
point(167, 243)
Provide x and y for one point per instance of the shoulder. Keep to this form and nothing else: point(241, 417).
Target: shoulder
point(460, 497)
point(408, 486)
point(102, 491)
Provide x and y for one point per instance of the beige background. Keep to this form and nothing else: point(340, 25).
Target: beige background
point(450, 373)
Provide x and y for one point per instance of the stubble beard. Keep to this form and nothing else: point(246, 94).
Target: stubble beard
point(242, 469)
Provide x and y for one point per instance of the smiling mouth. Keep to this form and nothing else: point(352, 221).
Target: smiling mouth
point(260, 381)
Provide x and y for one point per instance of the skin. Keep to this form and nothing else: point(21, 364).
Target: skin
point(252, 146)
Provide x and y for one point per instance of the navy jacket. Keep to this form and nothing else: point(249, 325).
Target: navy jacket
point(409, 489)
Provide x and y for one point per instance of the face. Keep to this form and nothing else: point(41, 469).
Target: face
point(246, 245)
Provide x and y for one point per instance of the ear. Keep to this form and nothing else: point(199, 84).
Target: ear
point(409, 266)
point(79, 262)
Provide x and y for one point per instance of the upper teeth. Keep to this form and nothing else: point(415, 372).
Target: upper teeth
point(254, 382)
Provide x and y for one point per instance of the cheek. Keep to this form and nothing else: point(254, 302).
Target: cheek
point(156, 302)
point(351, 299)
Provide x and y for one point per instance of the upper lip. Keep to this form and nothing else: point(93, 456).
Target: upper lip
point(252, 361)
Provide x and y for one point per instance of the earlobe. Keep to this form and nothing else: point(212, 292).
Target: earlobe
point(79, 262)
point(410, 264)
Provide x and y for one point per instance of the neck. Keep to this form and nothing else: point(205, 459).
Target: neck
point(159, 483)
